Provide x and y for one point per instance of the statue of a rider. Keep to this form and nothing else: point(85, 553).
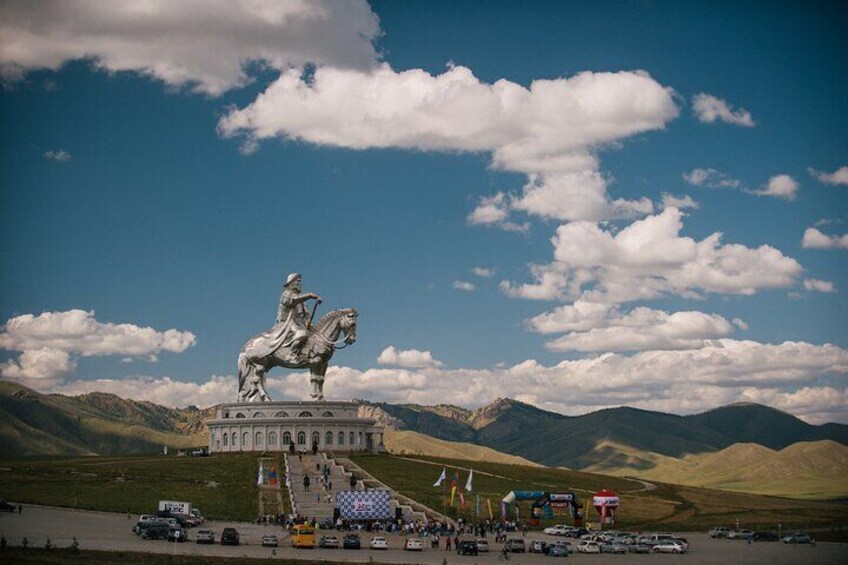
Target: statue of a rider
point(293, 313)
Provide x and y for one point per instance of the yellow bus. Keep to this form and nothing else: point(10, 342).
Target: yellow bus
point(303, 536)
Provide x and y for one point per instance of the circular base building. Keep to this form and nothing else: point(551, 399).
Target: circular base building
point(275, 426)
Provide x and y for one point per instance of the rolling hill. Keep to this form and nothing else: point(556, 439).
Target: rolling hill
point(552, 439)
point(736, 447)
point(91, 424)
point(811, 470)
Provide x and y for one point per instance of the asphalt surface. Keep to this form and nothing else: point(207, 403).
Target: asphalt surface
point(113, 532)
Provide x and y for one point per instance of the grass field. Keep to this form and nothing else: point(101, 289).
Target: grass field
point(223, 487)
point(667, 507)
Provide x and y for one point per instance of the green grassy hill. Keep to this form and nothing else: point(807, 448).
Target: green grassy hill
point(558, 440)
point(222, 487)
point(102, 424)
point(811, 470)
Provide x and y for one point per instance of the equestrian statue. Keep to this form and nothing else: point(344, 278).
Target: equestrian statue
point(294, 342)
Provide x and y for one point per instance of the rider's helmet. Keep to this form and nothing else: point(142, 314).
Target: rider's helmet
point(291, 278)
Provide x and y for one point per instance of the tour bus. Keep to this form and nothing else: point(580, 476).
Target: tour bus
point(303, 536)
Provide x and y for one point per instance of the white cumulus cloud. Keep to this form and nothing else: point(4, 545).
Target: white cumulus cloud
point(410, 358)
point(779, 186)
point(679, 202)
point(201, 44)
point(43, 363)
point(814, 239)
point(819, 285)
point(708, 109)
point(60, 155)
point(549, 131)
point(78, 332)
point(483, 272)
point(464, 285)
point(594, 327)
point(649, 259)
point(711, 178)
point(837, 177)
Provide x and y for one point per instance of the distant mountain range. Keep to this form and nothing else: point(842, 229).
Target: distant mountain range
point(98, 423)
point(553, 439)
point(91, 424)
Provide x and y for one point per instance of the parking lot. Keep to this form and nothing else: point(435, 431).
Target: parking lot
point(112, 532)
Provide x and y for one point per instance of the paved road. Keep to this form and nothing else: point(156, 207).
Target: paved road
point(106, 531)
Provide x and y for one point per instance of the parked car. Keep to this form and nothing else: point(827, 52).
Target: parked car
point(538, 546)
point(576, 533)
point(482, 546)
point(146, 519)
point(351, 541)
point(559, 549)
point(155, 530)
point(719, 532)
point(613, 547)
point(229, 536)
point(798, 537)
point(6, 507)
point(740, 534)
point(639, 548)
point(765, 536)
point(379, 543)
point(413, 544)
point(467, 547)
point(558, 530)
point(515, 545)
point(328, 542)
point(588, 546)
point(669, 546)
point(204, 536)
point(177, 534)
point(270, 541)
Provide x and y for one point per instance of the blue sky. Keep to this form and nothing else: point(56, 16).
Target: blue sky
point(520, 202)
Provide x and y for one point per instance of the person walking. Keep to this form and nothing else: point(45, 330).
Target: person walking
point(447, 543)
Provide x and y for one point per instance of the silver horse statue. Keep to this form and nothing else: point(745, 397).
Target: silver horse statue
point(268, 350)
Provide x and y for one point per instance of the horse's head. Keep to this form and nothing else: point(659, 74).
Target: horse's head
point(348, 325)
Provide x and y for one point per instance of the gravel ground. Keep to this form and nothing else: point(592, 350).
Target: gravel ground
point(112, 532)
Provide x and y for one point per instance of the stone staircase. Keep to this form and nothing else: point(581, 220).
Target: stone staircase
point(313, 502)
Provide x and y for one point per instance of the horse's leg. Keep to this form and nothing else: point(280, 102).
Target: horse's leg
point(316, 377)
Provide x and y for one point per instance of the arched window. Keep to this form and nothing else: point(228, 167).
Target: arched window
point(226, 439)
point(341, 438)
point(328, 438)
point(287, 438)
point(239, 415)
point(316, 438)
point(281, 415)
point(272, 438)
point(259, 415)
point(352, 438)
point(245, 439)
point(301, 438)
point(235, 437)
point(258, 442)
point(305, 414)
point(360, 439)
point(327, 415)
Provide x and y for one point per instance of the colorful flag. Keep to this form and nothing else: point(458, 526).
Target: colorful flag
point(259, 479)
point(461, 500)
point(468, 482)
point(453, 493)
point(441, 478)
point(489, 504)
point(272, 477)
